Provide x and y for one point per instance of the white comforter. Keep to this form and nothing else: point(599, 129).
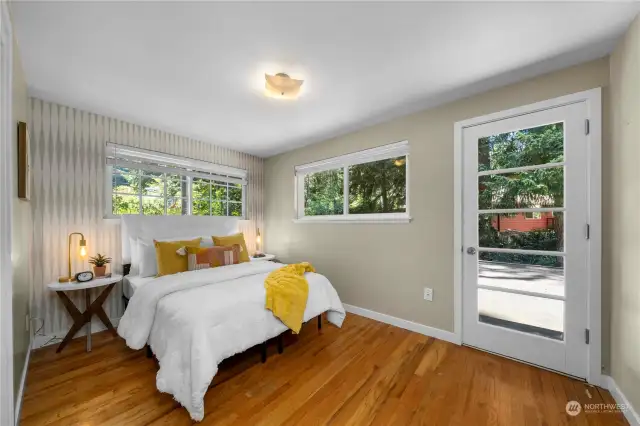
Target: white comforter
point(194, 320)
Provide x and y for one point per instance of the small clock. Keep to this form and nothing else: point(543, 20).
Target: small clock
point(83, 277)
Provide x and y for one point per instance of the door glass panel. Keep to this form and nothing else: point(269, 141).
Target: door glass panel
point(523, 231)
point(528, 147)
point(529, 314)
point(523, 190)
point(540, 274)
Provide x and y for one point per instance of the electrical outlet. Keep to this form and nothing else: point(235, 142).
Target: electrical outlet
point(428, 294)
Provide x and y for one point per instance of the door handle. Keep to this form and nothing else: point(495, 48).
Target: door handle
point(471, 250)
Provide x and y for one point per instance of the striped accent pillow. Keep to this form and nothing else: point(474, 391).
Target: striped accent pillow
point(211, 257)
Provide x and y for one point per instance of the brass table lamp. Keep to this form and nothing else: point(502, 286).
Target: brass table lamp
point(83, 252)
point(258, 243)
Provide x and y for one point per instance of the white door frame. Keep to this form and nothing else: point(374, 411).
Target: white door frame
point(7, 142)
point(593, 100)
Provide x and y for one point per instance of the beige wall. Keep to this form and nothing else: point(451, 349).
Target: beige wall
point(21, 235)
point(385, 267)
point(624, 192)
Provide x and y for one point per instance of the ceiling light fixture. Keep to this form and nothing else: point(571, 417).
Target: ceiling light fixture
point(282, 86)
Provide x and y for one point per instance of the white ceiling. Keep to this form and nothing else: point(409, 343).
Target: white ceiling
point(196, 68)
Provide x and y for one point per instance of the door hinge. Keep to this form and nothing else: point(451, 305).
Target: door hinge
point(587, 231)
point(586, 336)
point(586, 126)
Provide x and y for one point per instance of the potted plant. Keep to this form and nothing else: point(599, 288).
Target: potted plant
point(99, 263)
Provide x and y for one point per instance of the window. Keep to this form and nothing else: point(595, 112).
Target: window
point(369, 186)
point(151, 183)
point(533, 215)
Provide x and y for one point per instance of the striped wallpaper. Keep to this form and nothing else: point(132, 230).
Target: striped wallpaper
point(68, 195)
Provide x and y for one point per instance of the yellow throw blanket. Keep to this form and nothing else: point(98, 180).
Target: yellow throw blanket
point(287, 292)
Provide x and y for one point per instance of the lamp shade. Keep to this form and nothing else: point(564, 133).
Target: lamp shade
point(282, 86)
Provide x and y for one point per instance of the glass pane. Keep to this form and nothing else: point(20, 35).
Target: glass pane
point(529, 314)
point(152, 174)
point(532, 189)
point(544, 275)
point(200, 208)
point(125, 204)
point(153, 186)
point(219, 192)
point(176, 186)
point(200, 188)
point(323, 193)
point(378, 187)
point(152, 206)
point(219, 208)
point(176, 206)
point(117, 169)
point(125, 183)
point(235, 209)
point(235, 192)
point(528, 147)
point(516, 231)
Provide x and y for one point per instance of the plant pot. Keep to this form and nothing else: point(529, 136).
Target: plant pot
point(99, 271)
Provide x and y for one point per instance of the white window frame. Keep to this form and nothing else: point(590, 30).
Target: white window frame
point(135, 158)
point(384, 152)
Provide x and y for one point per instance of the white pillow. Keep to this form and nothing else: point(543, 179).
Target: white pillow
point(205, 241)
point(135, 256)
point(148, 263)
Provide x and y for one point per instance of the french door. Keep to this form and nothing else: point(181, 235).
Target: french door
point(525, 248)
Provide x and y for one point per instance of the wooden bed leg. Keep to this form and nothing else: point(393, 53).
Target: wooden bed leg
point(149, 353)
point(280, 343)
point(263, 352)
point(320, 322)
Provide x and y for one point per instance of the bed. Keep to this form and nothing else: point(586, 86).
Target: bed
point(131, 283)
point(194, 320)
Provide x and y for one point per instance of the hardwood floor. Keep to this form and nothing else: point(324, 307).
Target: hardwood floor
point(365, 373)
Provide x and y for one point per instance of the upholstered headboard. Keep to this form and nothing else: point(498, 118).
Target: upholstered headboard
point(163, 227)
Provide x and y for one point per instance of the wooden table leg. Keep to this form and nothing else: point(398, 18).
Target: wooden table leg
point(80, 319)
point(96, 308)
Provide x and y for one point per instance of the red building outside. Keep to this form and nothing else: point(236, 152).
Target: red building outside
point(523, 222)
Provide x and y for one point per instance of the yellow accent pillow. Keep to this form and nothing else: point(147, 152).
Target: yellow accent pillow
point(170, 262)
point(230, 241)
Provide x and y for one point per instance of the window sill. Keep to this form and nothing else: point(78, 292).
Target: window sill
point(362, 218)
point(116, 219)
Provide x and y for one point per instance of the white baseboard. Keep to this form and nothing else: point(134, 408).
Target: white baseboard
point(23, 379)
point(630, 413)
point(45, 340)
point(402, 323)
